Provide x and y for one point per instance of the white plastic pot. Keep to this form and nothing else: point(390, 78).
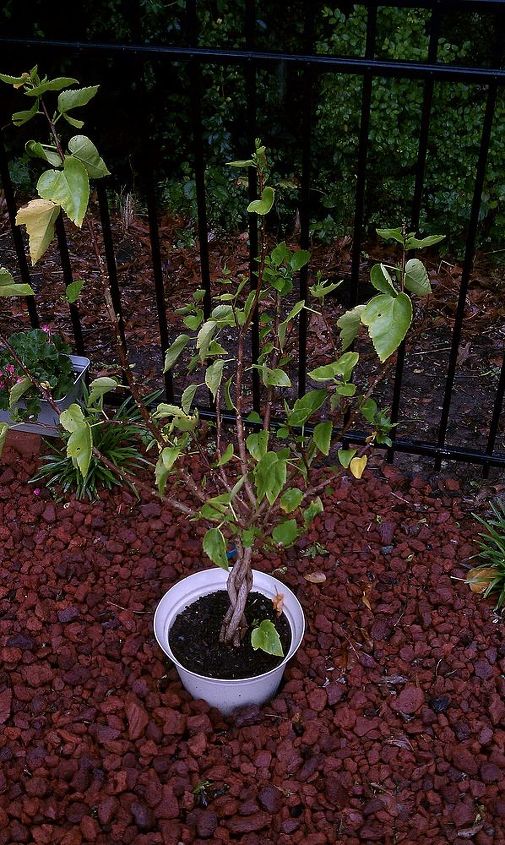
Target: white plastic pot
point(226, 694)
point(47, 420)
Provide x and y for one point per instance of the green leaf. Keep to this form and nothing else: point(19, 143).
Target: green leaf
point(368, 409)
point(21, 117)
point(322, 436)
point(322, 289)
point(228, 401)
point(169, 456)
point(85, 151)
point(342, 367)
point(4, 428)
point(345, 389)
point(213, 377)
point(214, 546)
point(246, 162)
point(223, 314)
point(257, 444)
point(267, 639)
point(349, 324)
point(39, 217)
point(299, 259)
point(160, 476)
point(285, 533)
point(305, 407)
point(345, 456)
point(6, 277)
point(18, 390)
point(8, 287)
point(99, 387)
point(270, 476)
point(226, 456)
point(216, 508)
point(174, 351)
point(80, 442)
point(254, 417)
point(248, 536)
point(274, 378)
point(36, 150)
point(51, 85)
point(381, 280)
point(14, 80)
point(280, 254)
point(204, 338)
point(391, 234)
point(193, 321)
point(291, 499)
point(77, 124)
point(187, 397)
point(75, 98)
point(68, 188)
point(414, 243)
point(315, 507)
point(263, 205)
point(281, 331)
point(416, 277)
point(215, 348)
point(73, 291)
point(387, 319)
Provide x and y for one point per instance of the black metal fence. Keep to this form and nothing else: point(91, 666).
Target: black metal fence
point(310, 65)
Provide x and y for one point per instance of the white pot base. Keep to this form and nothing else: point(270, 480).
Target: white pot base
point(227, 694)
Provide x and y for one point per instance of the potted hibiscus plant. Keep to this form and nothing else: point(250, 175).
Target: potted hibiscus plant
point(229, 629)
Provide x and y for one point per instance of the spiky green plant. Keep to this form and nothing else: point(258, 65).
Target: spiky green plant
point(489, 576)
point(115, 442)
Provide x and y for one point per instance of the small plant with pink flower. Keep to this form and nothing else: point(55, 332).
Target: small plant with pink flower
point(45, 356)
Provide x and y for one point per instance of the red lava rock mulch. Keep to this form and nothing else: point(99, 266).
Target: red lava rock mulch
point(389, 727)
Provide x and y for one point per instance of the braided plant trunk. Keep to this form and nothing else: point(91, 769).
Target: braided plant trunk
point(239, 586)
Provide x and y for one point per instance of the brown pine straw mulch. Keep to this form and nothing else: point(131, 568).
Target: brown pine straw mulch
point(389, 727)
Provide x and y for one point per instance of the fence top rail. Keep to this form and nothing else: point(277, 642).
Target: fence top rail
point(322, 63)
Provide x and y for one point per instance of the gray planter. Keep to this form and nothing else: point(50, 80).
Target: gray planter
point(47, 420)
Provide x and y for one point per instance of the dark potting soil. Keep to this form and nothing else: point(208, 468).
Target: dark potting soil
point(194, 638)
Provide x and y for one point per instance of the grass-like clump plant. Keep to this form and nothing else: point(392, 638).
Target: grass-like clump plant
point(489, 577)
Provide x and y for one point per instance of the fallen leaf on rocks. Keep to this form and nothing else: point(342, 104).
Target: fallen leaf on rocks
point(469, 832)
point(393, 680)
point(365, 599)
point(315, 577)
point(479, 579)
point(5, 705)
point(400, 742)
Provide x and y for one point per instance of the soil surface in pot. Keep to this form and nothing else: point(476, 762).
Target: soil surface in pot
point(194, 638)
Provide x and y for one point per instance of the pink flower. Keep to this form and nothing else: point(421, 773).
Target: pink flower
point(36, 492)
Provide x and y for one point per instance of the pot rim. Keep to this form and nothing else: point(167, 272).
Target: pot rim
point(295, 641)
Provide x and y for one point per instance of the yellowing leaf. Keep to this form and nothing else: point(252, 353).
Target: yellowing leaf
point(80, 442)
point(479, 578)
point(39, 217)
point(315, 577)
point(357, 466)
point(365, 599)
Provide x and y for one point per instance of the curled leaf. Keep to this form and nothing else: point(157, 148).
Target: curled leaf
point(278, 603)
point(315, 577)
